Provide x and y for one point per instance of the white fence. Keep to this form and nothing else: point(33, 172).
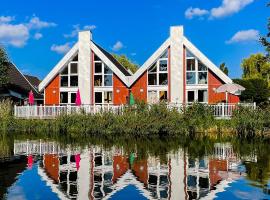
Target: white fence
point(222, 110)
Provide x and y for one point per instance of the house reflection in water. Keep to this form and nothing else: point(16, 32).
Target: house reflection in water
point(93, 173)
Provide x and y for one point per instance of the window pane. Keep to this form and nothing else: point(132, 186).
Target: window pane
point(189, 54)
point(191, 96)
point(63, 97)
point(163, 65)
point(98, 97)
point(202, 96)
point(96, 58)
point(65, 70)
point(191, 77)
point(165, 54)
point(73, 81)
point(64, 81)
point(153, 68)
point(98, 80)
point(98, 67)
point(202, 78)
point(107, 70)
point(163, 95)
point(152, 97)
point(201, 67)
point(190, 64)
point(73, 68)
point(107, 97)
point(107, 80)
point(152, 79)
point(73, 97)
point(163, 79)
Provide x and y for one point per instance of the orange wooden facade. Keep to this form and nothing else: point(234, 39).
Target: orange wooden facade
point(213, 83)
point(51, 165)
point(52, 92)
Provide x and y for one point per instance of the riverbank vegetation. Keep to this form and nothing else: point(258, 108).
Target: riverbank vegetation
point(140, 121)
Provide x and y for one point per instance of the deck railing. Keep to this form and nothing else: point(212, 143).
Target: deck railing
point(222, 110)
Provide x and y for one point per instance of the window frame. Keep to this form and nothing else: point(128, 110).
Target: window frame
point(69, 75)
point(196, 95)
point(158, 71)
point(196, 71)
point(69, 98)
point(102, 74)
point(103, 97)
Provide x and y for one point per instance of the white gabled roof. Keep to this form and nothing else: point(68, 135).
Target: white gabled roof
point(60, 65)
point(150, 61)
point(129, 80)
point(71, 54)
point(196, 52)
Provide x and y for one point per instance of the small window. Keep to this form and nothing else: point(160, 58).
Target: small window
point(98, 80)
point(107, 70)
point(65, 71)
point(190, 96)
point(73, 81)
point(73, 98)
point(73, 68)
point(202, 77)
point(163, 79)
point(98, 67)
point(153, 68)
point(201, 67)
point(152, 79)
point(64, 81)
point(107, 97)
point(98, 97)
point(163, 96)
point(152, 97)
point(165, 54)
point(202, 96)
point(107, 80)
point(96, 58)
point(163, 66)
point(189, 54)
point(191, 65)
point(63, 97)
point(191, 78)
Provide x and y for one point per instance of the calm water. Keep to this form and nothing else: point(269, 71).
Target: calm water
point(39, 169)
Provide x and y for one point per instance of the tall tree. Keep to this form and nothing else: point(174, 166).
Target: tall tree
point(3, 67)
point(256, 90)
point(256, 66)
point(266, 39)
point(126, 62)
point(224, 68)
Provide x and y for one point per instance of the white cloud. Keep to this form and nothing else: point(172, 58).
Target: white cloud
point(195, 12)
point(14, 35)
point(77, 29)
point(61, 49)
point(117, 46)
point(244, 35)
point(229, 7)
point(38, 36)
point(17, 34)
point(6, 19)
point(36, 23)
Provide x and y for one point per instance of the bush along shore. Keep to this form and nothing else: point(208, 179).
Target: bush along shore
point(158, 121)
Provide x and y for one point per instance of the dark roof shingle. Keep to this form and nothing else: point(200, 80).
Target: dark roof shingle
point(114, 61)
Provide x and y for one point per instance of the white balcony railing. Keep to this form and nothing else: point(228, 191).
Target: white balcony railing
point(222, 110)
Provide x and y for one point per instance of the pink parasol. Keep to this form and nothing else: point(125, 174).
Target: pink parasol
point(77, 160)
point(78, 101)
point(31, 98)
point(30, 161)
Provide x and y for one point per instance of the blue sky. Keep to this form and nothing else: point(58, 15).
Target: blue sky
point(36, 34)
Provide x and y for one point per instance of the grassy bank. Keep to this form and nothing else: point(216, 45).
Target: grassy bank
point(143, 122)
